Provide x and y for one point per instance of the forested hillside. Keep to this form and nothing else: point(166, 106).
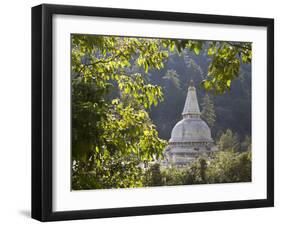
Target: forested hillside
point(232, 109)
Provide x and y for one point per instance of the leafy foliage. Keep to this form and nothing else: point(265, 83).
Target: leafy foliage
point(223, 167)
point(246, 145)
point(230, 167)
point(226, 60)
point(228, 141)
point(111, 137)
point(153, 176)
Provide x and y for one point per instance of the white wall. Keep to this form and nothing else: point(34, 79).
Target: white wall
point(15, 111)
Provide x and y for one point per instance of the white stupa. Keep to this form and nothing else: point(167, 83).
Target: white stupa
point(190, 137)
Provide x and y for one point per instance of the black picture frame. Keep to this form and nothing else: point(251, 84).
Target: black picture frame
point(42, 111)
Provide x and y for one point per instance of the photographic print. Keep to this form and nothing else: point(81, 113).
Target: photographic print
point(151, 112)
point(130, 106)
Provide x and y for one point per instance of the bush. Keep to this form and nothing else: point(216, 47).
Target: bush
point(223, 167)
point(230, 166)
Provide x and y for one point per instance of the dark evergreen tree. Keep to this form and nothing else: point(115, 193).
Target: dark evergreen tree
point(208, 111)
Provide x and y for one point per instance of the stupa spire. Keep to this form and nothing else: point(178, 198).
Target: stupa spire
point(191, 107)
point(191, 136)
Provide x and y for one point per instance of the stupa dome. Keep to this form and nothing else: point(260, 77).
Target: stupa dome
point(191, 136)
point(191, 130)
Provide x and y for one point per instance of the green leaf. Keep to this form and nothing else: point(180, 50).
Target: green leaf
point(228, 83)
point(196, 50)
point(211, 51)
point(145, 66)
